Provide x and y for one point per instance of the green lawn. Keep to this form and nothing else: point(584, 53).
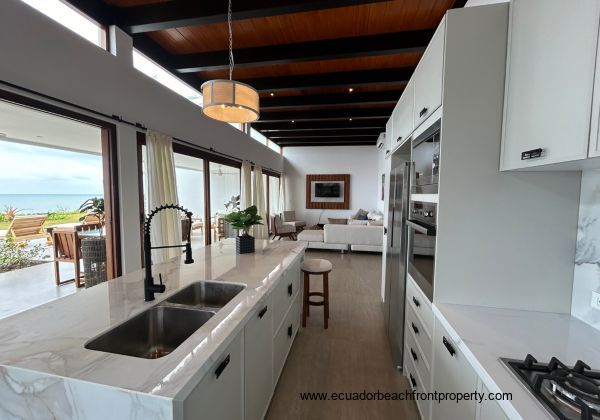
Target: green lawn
point(53, 220)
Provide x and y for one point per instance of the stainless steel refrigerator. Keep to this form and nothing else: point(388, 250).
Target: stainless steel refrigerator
point(397, 237)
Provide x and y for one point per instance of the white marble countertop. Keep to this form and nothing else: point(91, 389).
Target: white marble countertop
point(486, 334)
point(50, 339)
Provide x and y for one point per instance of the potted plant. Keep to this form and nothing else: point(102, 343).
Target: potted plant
point(243, 220)
point(93, 206)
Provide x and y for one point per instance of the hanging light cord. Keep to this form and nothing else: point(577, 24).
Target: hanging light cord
point(230, 41)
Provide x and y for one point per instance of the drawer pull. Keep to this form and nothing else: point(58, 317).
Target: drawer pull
point(290, 289)
point(262, 312)
point(398, 139)
point(414, 355)
point(414, 327)
point(532, 154)
point(222, 366)
point(290, 331)
point(416, 301)
point(423, 112)
point(412, 380)
point(448, 346)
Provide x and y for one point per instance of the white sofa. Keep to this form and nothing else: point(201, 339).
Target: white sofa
point(342, 237)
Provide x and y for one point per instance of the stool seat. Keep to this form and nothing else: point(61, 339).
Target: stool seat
point(316, 266)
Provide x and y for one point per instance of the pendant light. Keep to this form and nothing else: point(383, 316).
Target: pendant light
point(228, 100)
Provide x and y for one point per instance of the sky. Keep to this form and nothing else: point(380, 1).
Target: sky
point(26, 169)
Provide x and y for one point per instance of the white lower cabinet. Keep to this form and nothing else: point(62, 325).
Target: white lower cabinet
point(241, 382)
point(219, 395)
point(284, 337)
point(452, 373)
point(258, 361)
point(489, 409)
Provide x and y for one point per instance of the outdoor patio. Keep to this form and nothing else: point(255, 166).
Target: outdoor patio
point(33, 286)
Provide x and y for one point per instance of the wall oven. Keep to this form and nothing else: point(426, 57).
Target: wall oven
point(421, 224)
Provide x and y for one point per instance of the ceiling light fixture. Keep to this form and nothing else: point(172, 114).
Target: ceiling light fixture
point(272, 94)
point(351, 90)
point(228, 100)
point(350, 119)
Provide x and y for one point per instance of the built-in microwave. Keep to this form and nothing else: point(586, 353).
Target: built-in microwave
point(426, 161)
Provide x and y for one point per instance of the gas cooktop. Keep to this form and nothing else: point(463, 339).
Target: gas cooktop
point(566, 392)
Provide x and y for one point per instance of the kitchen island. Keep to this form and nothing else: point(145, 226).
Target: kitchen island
point(46, 372)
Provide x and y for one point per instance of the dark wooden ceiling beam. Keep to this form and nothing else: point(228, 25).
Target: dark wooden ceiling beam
point(182, 13)
point(352, 47)
point(378, 77)
point(365, 98)
point(324, 134)
point(317, 144)
point(325, 115)
point(300, 126)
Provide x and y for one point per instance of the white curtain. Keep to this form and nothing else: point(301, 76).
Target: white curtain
point(258, 199)
point(282, 205)
point(246, 187)
point(162, 189)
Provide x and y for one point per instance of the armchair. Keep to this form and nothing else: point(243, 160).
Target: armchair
point(289, 219)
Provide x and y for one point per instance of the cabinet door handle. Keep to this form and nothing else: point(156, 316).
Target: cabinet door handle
point(416, 301)
point(423, 112)
point(414, 355)
point(412, 380)
point(262, 312)
point(448, 346)
point(290, 331)
point(398, 139)
point(290, 289)
point(532, 154)
point(414, 327)
point(222, 366)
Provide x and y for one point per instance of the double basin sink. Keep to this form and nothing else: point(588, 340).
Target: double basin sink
point(159, 330)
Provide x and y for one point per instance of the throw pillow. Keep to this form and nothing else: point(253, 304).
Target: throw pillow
point(360, 212)
point(357, 222)
point(375, 215)
point(337, 221)
point(375, 223)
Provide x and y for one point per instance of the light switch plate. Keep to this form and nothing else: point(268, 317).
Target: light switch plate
point(595, 303)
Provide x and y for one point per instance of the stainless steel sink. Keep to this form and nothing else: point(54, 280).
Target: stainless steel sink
point(153, 333)
point(209, 295)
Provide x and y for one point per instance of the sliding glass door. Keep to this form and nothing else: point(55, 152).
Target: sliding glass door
point(224, 197)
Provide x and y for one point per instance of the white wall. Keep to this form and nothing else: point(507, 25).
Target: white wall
point(47, 58)
point(360, 162)
point(587, 256)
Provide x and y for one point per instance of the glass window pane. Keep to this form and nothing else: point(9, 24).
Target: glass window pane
point(189, 172)
point(224, 185)
point(274, 146)
point(153, 70)
point(71, 19)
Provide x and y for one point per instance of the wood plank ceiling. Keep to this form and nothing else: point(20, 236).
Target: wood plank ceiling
point(328, 72)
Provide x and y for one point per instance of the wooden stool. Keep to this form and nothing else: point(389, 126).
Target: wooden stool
point(316, 266)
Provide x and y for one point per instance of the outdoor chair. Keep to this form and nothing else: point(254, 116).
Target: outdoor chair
point(25, 228)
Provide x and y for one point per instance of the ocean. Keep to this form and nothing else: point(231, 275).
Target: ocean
point(43, 203)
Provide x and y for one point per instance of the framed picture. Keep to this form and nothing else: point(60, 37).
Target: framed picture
point(382, 187)
point(328, 191)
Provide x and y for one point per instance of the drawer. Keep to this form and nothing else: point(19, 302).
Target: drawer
point(416, 384)
point(422, 306)
point(415, 327)
point(284, 293)
point(282, 342)
point(415, 354)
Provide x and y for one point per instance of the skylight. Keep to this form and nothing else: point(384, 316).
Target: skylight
point(274, 146)
point(71, 19)
point(165, 78)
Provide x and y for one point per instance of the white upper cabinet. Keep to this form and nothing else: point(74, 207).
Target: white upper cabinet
point(549, 82)
point(403, 123)
point(428, 77)
point(388, 135)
